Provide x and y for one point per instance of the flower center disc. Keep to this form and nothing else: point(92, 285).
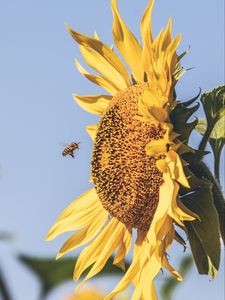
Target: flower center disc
point(126, 179)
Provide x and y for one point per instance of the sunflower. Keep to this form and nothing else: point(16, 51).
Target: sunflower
point(136, 168)
point(88, 294)
point(91, 294)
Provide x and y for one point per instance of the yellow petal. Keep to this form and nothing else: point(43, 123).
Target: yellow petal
point(166, 196)
point(92, 131)
point(156, 147)
point(76, 221)
point(97, 79)
point(160, 114)
point(123, 249)
point(82, 237)
point(83, 202)
point(108, 248)
point(147, 38)
point(176, 169)
point(69, 219)
point(167, 266)
point(181, 178)
point(167, 35)
point(171, 53)
point(102, 66)
point(127, 43)
point(96, 36)
point(175, 211)
point(104, 52)
point(127, 278)
point(151, 105)
point(86, 294)
point(162, 165)
point(91, 253)
point(149, 273)
point(146, 24)
point(165, 245)
point(95, 104)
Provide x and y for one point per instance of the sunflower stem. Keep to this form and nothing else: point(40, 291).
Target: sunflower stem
point(217, 166)
point(200, 169)
point(3, 288)
point(206, 137)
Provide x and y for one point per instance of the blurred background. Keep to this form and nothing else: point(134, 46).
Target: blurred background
point(38, 116)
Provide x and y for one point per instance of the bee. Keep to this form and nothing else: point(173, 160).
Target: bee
point(70, 148)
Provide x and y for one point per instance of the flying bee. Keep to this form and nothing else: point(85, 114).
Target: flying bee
point(70, 148)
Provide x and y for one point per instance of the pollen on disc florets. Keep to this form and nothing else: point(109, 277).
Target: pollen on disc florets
point(126, 179)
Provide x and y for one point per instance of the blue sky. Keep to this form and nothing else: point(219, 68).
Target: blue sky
point(38, 114)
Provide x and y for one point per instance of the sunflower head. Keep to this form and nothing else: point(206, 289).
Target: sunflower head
point(125, 176)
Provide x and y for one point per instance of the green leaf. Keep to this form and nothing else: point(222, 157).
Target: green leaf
point(201, 126)
point(179, 71)
point(52, 273)
point(218, 130)
point(192, 100)
point(199, 172)
point(180, 240)
point(216, 140)
point(183, 54)
point(5, 293)
point(170, 284)
point(198, 251)
point(214, 107)
point(180, 115)
point(214, 104)
point(6, 236)
point(204, 235)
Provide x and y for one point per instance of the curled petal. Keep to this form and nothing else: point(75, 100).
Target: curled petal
point(92, 131)
point(92, 252)
point(73, 217)
point(127, 43)
point(85, 235)
point(123, 249)
point(97, 79)
point(103, 55)
point(95, 104)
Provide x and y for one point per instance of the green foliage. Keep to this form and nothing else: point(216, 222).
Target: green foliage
point(199, 172)
point(180, 116)
point(216, 139)
point(213, 104)
point(179, 71)
point(6, 236)
point(52, 273)
point(203, 234)
point(169, 286)
point(180, 240)
point(4, 288)
point(217, 132)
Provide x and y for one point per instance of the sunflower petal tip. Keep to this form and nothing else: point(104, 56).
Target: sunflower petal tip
point(49, 236)
point(114, 3)
point(67, 27)
point(58, 256)
point(180, 278)
point(47, 239)
point(76, 276)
